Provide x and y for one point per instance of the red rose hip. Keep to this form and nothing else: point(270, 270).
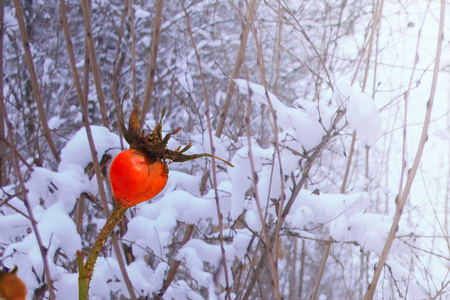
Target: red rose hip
point(136, 178)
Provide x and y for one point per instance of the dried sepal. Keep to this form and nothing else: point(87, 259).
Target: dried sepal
point(133, 132)
point(134, 127)
point(153, 144)
point(186, 148)
point(180, 157)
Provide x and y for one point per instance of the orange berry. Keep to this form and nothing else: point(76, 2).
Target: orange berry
point(11, 286)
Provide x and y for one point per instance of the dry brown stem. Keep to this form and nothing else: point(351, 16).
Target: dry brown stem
point(402, 198)
point(117, 67)
point(86, 9)
point(294, 194)
point(133, 49)
point(86, 269)
point(175, 265)
point(214, 170)
point(95, 161)
point(251, 10)
point(349, 163)
point(151, 72)
point(323, 263)
point(3, 176)
point(33, 79)
point(15, 162)
point(281, 201)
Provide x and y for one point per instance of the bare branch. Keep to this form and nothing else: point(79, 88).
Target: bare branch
point(33, 79)
point(153, 55)
point(402, 198)
point(85, 7)
point(95, 161)
point(43, 249)
point(237, 66)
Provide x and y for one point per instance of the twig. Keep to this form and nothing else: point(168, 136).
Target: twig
point(349, 163)
point(86, 270)
point(15, 162)
point(117, 67)
point(405, 115)
point(402, 198)
point(133, 49)
point(6, 202)
point(3, 177)
point(268, 242)
point(302, 270)
point(33, 79)
point(308, 39)
point(276, 244)
point(153, 55)
point(214, 170)
point(309, 163)
point(295, 191)
point(86, 67)
point(323, 263)
point(19, 156)
point(86, 10)
point(95, 161)
point(278, 51)
point(176, 264)
point(237, 66)
point(375, 22)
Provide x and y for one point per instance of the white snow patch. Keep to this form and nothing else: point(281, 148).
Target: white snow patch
point(363, 116)
point(55, 122)
point(299, 124)
point(77, 150)
point(142, 14)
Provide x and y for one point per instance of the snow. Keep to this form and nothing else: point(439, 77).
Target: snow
point(77, 151)
point(12, 226)
point(54, 194)
point(195, 266)
point(64, 187)
point(302, 122)
point(183, 291)
point(24, 256)
point(196, 252)
point(253, 220)
point(10, 20)
point(186, 82)
point(325, 208)
point(361, 112)
point(366, 229)
point(146, 41)
point(154, 228)
point(55, 122)
point(139, 270)
point(66, 285)
point(183, 181)
point(141, 13)
point(59, 231)
point(48, 62)
point(105, 279)
point(241, 242)
point(149, 234)
point(363, 116)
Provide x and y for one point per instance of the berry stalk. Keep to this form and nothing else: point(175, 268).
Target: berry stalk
point(86, 270)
